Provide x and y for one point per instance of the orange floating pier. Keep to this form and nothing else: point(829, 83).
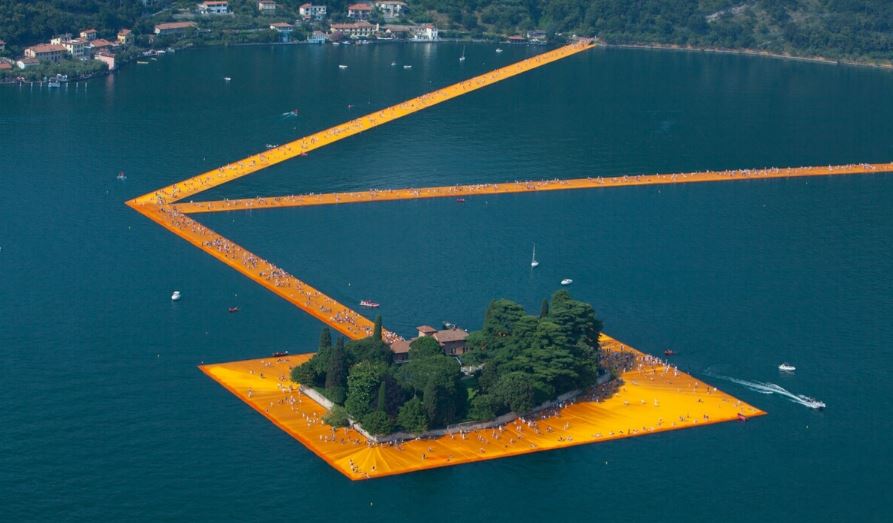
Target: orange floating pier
point(654, 397)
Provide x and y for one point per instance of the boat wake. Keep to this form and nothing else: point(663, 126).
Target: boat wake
point(772, 388)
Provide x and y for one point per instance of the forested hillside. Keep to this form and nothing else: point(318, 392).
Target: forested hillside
point(854, 29)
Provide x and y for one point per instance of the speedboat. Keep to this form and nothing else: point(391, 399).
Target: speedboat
point(369, 304)
point(460, 200)
point(669, 352)
point(813, 403)
point(787, 367)
point(175, 296)
point(272, 145)
point(233, 309)
point(498, 50)
point(226, 78)
point(393, 64)
point(280, 354)
point(567, 281)
point(342, 66)
point(121, 176)
point(407, 67)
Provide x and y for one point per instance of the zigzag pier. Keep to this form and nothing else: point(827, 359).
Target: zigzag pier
point(654, 396)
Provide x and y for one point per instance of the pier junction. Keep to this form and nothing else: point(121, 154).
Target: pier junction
point(655, 396)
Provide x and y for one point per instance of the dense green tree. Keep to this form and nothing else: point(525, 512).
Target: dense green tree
point(424, 347)
point(544, 309)
point(376, 330)
point(337, 417)
point(377, 423)
point(484, 407)
point(362, 387)
point(412, 416)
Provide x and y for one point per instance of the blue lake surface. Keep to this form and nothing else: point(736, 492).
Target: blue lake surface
point(105, 416)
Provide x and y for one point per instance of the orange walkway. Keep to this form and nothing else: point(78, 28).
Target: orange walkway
point(381, 195)
point(252, 164)
point(654, 398)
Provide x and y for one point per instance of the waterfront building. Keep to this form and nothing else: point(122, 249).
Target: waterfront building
point(284, 29)
point(88, 34)
point(25, 63)
point(213, 8)
point(125, 37)
point(517, 39)
point(359, 11)
point(266, 7)
point(174, 28)
point(309, 11)
point(107, 58)
point(451, 341)
point(45, 53)
point(361, 29)
point(537, 37)
point(400, 350)
point(424, 32)
point(78, 48)
point(391, 10)
point(318, 37)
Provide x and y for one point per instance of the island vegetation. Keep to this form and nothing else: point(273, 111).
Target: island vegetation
point(516, 362)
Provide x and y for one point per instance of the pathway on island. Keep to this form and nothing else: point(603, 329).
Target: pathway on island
point(456, 191)
point(654, 397)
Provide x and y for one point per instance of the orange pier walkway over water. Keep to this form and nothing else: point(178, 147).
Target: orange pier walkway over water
point(654, 398)
point(382, 195)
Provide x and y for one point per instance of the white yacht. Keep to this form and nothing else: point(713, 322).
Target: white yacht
point(533, 263)
point(787, 367)
point(175, 296)
point(342, 66)
point(567, 281)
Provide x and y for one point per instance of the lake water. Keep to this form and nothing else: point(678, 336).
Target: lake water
point(105, 416)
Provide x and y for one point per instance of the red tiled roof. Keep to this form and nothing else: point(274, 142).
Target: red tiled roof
point(124, 32)
point(427, 329)
point(5, 66)
point(449, 335)
point(359, 7)
point(101, 42)
point(47, 48)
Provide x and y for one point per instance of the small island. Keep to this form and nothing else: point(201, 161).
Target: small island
point(516, 364)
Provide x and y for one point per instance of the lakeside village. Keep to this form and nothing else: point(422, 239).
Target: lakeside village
point(450, 381)
point(89, 54)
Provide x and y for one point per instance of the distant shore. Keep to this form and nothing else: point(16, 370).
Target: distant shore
point(755, 52)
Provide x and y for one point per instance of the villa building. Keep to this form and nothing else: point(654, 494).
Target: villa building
point(391, 10)
point(100, 44)
point(174, 28)
point(125, 37)
point(318, 37)
point(310, 11)
point(424, 32)
point(107, 58)
point(359, 11)
point(451, 341)
point(361, 29)
point(213, 8)
point(60, 39)
point(88, 34)
point(45, 53)
point(266, 7)
point(284, 29)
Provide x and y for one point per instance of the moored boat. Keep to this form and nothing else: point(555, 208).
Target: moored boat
point(567, 281)
point(176, 296)
point(369, 304)
point(787, 367)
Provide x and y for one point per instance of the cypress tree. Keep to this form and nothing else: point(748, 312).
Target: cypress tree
point(544, 310)
point(383, 396)
point(336, 373)
point(376, 333)
point(325, 339)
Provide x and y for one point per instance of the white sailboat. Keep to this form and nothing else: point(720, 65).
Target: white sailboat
point(533, 263)
point(462, 58)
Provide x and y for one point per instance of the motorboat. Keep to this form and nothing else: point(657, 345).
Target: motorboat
point(460, 200)
point(567, 281)
point(813, 403)
point(742, 417)
point(233, 309)
point(369, 304)
point(498, 50)
point(272, 145)
point(462, 58)
point(280, 354)
point(176, 296)
point(141, 62)
point(226, 78)
point(407, 67)
point(342, 66)
point(121, 176)
point(393, 64)
point(533, 263)
point(787, 367)
point(669, 352)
